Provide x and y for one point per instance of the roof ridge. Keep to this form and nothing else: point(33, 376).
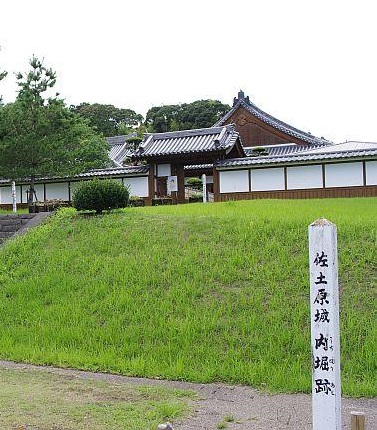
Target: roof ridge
point(180, 133)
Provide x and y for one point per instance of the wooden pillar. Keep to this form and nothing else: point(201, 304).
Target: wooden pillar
point(181, 183)
point(216, 185)
point(364, 175)
point(151, 187)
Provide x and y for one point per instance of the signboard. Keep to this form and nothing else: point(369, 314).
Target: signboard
point(172, 185)
point(325, 343)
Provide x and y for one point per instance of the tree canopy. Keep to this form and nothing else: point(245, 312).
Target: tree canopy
point(41, 137)
point(108, 119)
point(187, 116)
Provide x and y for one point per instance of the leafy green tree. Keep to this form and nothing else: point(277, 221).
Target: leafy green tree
point(160, 119)
point(41, 137)
point(202, 113)
point(187, 116)
point(109, 120)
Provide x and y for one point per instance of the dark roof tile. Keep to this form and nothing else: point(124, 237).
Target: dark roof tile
point(306, 156)
point(187, 141)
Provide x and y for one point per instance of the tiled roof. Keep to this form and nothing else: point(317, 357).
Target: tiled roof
point(198, 166)
point(344, 147)
point(120, 148)
point(117, 171)
point(272, 121)
point(188, 141)
point(307, 156)
point(127, 170)
point(282, 149)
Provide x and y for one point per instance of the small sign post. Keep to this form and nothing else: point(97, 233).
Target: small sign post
point(14, 198)
point(204, 184)
point(324, 313)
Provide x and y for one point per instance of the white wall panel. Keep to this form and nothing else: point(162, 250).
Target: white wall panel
point(39, 189)
point(163, 170)
point(57, 190)
point(303, 177)
point(344, 174)
point(371, 172)
point(6, 195)
point(138, 186)
point(267, 179)
point(235, 181)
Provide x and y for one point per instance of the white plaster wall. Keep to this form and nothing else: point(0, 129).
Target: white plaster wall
point(344, 174)
point(267, 179)
point(39, 188)
point(371, 172)
point(163, 170)
point(303, 177)
point(138, 186)
point(57, 191)
point(235, 181)
point(6, 195)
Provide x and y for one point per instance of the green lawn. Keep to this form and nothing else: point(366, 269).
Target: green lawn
point(215, 292)
point(40, 400)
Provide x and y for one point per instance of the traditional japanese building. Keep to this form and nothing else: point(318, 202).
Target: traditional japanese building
point(247, 154)
point(171, 155)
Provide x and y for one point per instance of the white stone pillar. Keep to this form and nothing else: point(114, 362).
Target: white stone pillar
point(325, 343)
point(14, 197)
point(204, 184)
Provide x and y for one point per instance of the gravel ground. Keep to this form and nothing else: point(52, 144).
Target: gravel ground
point(247, 408)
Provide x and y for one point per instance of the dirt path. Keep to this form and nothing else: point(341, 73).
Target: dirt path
point(248, 407)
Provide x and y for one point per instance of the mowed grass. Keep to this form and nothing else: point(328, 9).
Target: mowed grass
point(215, 292)
point(40, 400)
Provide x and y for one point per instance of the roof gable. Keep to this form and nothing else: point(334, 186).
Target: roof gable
point(244, 112)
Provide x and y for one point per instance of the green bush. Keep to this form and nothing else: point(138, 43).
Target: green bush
point(100, 195)
point(195, 183)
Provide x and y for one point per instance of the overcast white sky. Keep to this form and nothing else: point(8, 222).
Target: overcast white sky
point(312, 64)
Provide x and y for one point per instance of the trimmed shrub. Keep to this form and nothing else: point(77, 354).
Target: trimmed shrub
point(100, 195)
point(195, 183)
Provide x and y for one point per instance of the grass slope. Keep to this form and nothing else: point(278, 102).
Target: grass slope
point(195, 292)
